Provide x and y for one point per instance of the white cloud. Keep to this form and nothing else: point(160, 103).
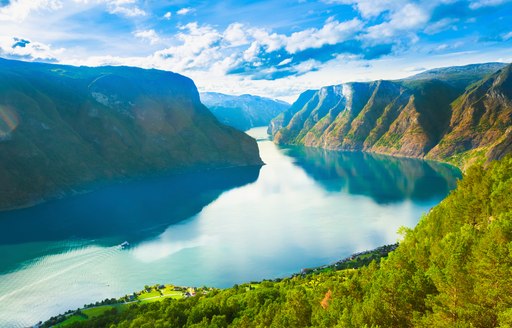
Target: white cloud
point(126, 8)
point(415, 69)
point(285, 62)
point(207, 53)
point(251, 53)
point(476, 4)
point(372, 8)
point(332, 32)
point(30, 50)
point(19, 10)
point(184, 11)
point(269, 41)
point(441, 25)
point(198, 49)
point(507, 36)
point(131, 11)
point(235, 35)
point(442, 47)
point(404, 21)
point(149, 35)
point(307, 66)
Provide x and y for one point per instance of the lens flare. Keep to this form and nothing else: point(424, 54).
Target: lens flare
point(8, 121)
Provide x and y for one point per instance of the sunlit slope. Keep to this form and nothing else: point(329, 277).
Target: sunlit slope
point(456, 114)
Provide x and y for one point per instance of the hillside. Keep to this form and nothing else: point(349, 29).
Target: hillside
point(64, 128)
point(452, 270)
point(480, 127)
point(422, 116)
point(243, 112)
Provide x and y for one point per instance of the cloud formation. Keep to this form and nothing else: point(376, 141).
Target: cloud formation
point(184, 11)
point(252, 45)
point(149, 35)
point(27, 50)
point(19, 10)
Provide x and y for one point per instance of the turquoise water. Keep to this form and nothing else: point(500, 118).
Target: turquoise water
point(305, 207)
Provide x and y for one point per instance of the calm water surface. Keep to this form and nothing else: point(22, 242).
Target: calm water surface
point(306, 207)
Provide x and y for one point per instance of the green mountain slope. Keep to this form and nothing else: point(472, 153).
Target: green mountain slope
point(480, 127)
point(452, 270)
point(63, 128)
point(243, 112)
point(417, 117)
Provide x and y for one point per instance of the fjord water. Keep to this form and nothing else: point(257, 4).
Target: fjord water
point(304, 208)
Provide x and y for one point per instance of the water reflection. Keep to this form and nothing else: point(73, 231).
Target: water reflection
point(384, 178)
point(132, 211)
point(305, 208)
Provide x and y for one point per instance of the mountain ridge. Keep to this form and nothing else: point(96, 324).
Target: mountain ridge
point(408, 117)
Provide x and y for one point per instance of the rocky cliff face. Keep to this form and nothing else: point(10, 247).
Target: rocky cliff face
point(243, 112)
point(435, 115)
point(64, 128)
point(480, 127)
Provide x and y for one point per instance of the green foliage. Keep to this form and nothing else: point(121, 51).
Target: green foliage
point(452, 270)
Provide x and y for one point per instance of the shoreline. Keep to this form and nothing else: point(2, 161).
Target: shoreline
point(354, 261)
point(59, 195)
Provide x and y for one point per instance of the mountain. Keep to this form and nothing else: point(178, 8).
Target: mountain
point(63, 129)
point(480, 127)
point(422, 116)
point(458, 75)
point(451, 270)
point(245, 111)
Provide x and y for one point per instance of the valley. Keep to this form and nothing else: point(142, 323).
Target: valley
point(256, 164)
point(236, 224)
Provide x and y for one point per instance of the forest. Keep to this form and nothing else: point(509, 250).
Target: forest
point(452, 270)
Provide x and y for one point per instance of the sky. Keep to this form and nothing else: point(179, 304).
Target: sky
point(275, 48)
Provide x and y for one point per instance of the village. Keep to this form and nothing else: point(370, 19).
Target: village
point(155, 293)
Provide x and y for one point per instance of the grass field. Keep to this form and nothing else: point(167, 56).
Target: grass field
point(142, 297)
point(89, 313)
point(151, 294)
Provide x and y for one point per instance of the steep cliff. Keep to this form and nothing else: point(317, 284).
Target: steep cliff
point(64, 128)
point(437, 114)
point(480, 127)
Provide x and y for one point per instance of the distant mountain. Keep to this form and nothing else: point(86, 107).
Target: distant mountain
point(427, 115)
point(245, 111)
point(64, 129)
point(462, 75)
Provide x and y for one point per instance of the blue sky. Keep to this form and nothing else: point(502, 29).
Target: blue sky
point(270, 48)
